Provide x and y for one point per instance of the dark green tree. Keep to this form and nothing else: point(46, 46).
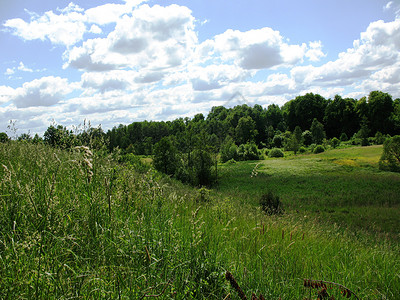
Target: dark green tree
point(202, 164)
point(380, 107)
point(59, 136)
point(317, 131)
point(245, 130)
point(3, 137)
point(390, 159)
point(165, 156)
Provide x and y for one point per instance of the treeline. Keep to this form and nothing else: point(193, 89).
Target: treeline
point(188, 147)
point(315, 118)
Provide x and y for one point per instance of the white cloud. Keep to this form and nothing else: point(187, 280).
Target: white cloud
point(23, 68)
point(314, 52)
point(95, 29)
point(255, 49)
point(45, 91)
point(106, 81)
point(66, 28)
point(377, 49)
point(152, 37)
point(6, 93)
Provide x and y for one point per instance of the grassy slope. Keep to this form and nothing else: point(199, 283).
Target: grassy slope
point(128, 234)
point(343, 186)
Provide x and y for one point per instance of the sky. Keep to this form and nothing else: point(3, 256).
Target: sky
point(114, 62)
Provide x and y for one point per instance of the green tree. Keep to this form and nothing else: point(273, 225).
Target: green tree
point(380, 108)
point(317, 131)
point(59, 137)
point(390, 159)
point(307, 137)
point(228, 149)
point(3, 137)
point(202, 164)
point(165, 156)
point(245, 130)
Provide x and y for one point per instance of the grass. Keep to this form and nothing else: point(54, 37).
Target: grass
point(69, 229)
point(343, 186)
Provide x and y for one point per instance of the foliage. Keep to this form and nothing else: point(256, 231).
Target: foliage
point(278, 141)
point(248, 151)
point(390, 159)
point(302, 150)
point(202, 164)
point(271, 204)
point(165, 156)
point(379, 138)
point(3, 137)
point(317, 131)
point(275, 152)
point(335, 142)
point(228, 149)
point(343, 137)
point(59, 136)
point(318, 149)
point(307, 138)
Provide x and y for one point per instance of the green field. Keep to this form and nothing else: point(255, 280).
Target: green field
point(81, 225)
point(343, 186)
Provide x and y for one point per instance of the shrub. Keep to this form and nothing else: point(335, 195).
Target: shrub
point(276, 153)
point(319, 149)
point(203, 195)
point(271, 204)
point(335, 142)
point(228, 149)
point(302, 150)
point(3, 137)
point(390, 159)
point(248, 151)
point(379, 138)
point(307, 137)
point(343, 137)
point(277, 141)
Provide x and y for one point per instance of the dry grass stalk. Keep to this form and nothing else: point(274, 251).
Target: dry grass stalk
point(316, 284)
point(235, 285)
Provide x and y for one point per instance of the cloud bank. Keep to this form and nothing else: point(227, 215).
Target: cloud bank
point(138, 61)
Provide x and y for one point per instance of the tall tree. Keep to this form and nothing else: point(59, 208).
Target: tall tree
point(317, 131)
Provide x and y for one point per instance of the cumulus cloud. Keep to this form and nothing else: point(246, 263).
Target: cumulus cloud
point(66, 28)
point(376, 50)
point(255, 49)
point(150, 37)
point(45, 91)
point(106, 81)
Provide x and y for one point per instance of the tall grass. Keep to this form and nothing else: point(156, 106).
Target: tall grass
point(78, 225)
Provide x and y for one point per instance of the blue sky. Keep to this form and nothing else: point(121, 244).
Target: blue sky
point(112, 62)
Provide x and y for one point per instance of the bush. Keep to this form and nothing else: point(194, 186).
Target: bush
point(335, 142)
point(319, 149)
point(271, 204)
point(379, 138)
point(248, 151)
point(302, 150)
point(228, 150)
point(343, 137)
point(277, 141)
point(276, 153)
point(390, 159)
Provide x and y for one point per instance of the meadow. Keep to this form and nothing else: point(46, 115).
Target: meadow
point(84, 225)
point(342, 186)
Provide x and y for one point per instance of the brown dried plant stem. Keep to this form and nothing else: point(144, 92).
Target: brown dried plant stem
point(322, 283)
